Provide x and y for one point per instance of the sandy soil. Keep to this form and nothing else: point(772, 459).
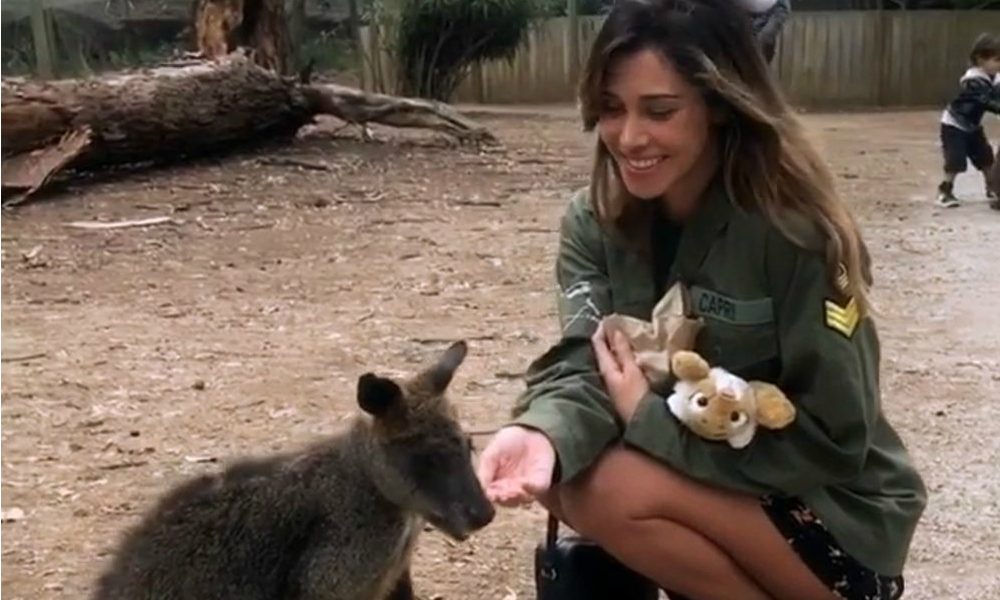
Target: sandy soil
point(241, 327)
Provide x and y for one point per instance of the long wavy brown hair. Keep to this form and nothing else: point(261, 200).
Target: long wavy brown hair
point(768, 163)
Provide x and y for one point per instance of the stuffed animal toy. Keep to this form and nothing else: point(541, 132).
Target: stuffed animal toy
point(717, 405)
point(653, 342)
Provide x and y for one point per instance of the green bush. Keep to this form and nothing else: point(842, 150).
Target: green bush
point(438, 40)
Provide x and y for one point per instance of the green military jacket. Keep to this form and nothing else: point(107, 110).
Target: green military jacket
point(770, 314)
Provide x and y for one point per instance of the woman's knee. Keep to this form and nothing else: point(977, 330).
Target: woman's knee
point(607, 497)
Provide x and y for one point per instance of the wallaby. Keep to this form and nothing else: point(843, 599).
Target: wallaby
point(335, 521)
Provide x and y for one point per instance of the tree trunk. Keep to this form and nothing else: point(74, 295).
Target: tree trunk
point(223, 26)
point(40, 32)
point(354, 24)
point(178, 110)
point(297, 31)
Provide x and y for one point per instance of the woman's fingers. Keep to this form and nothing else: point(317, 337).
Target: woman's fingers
point(606, 362)
point(623, 350)
point(509, 492)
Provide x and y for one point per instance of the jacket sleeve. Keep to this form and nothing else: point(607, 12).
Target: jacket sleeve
point(985, 93)
point(565, 397)
point(829, 371)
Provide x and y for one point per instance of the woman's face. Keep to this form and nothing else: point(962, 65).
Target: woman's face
point(659, 130)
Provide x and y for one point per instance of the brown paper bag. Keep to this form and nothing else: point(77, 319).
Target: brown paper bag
point(669, 330)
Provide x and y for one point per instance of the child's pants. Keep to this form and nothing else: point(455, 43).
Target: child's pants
point(961, 146)
point(993, 178)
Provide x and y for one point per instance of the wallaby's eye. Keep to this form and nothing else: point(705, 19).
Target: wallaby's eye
point(701, 400)
point(734, 416)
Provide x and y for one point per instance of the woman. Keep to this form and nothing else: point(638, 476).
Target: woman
point(704, 177)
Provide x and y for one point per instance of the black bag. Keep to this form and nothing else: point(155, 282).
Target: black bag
point(574, 568)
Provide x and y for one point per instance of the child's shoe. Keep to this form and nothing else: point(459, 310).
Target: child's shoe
point(945, 198)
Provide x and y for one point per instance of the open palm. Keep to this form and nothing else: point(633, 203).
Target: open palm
point(517, 466)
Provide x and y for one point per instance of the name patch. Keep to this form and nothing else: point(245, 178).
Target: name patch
point(708, 303)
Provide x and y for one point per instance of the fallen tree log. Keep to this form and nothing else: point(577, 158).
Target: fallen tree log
point(187, 108)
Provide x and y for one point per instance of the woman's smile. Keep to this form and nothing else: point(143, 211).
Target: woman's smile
point(638, 166)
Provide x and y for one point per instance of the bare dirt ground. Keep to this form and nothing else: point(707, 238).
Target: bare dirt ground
point(242, 327)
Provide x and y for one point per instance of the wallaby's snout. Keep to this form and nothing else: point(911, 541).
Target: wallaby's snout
point(464, 520)
point(480, 514)
point(458, 505)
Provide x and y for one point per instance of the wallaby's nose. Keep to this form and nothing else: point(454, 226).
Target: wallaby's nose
point(481, 514)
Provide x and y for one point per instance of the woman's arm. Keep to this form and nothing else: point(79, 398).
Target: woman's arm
point(829, 370)
point(565, 397)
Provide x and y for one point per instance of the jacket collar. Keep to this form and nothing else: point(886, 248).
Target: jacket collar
point(703, 229)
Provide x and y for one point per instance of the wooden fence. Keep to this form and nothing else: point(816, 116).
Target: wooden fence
point(830, 59)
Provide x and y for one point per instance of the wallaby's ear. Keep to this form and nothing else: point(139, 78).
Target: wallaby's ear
point(441, 374)
point(377, 395)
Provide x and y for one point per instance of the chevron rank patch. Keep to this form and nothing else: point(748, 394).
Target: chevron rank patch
point(843, 319)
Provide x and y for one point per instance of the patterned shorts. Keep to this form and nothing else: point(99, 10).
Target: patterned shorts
point(807, 536)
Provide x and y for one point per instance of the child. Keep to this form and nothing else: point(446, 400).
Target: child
point(994, 182)
point(768, 18)
point(962, 135)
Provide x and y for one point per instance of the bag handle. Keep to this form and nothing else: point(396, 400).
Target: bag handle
point(551, 531)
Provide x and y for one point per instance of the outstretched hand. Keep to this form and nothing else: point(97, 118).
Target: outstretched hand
point(517, 466)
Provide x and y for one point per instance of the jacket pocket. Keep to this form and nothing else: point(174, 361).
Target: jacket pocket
point(748, 351)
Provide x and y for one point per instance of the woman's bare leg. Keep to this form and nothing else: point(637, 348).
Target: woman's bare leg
point(684, 535)
point(698, 568)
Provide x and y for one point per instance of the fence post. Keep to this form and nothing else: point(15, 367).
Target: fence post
point(357, 45)
point(478, 83)
point(41, 40)
point(573, 41)
point(884, 31)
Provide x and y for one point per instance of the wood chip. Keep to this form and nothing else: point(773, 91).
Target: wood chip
point(201, 459)
point(508, 375)
point(25, 358)
point(120, 224)
point(12, 515)
point(124, 465)
point(284, 161)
